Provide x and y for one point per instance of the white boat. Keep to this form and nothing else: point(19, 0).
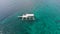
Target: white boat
point(27, 16)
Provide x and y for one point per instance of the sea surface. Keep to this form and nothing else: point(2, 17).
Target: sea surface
point(47, 17)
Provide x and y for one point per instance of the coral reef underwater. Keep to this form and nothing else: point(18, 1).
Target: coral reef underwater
point(47, 19)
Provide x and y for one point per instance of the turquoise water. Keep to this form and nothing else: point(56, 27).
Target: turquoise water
point(47, 14)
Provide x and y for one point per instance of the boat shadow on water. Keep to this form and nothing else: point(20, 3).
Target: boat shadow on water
point(31, 21)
